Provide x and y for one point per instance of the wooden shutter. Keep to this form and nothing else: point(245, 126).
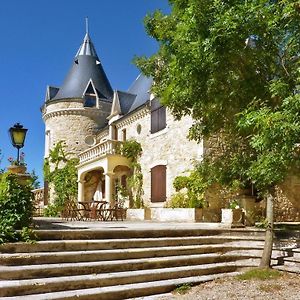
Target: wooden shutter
point(161, 118)
point(158, 116)
point(158, 184)
point(115, 133)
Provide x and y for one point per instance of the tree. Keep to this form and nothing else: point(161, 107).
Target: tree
point(234, 67)
point(35, 180)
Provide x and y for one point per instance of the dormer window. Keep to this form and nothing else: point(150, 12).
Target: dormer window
point(90, 96)
point(90, 100)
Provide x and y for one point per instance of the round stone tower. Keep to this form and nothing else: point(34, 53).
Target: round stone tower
point(79, 108)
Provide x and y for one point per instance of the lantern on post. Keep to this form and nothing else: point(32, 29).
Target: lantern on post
point(17, 135)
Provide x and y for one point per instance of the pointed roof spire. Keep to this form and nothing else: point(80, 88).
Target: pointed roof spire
point(86, 67)
point(87, 46)
point(86, 25)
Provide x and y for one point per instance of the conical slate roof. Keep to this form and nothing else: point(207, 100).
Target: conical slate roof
point(86, 67)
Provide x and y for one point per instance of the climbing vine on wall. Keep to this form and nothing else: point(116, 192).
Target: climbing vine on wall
point(132, 150)
point(60, 171)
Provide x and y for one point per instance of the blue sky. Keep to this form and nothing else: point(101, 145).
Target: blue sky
point(39, 39)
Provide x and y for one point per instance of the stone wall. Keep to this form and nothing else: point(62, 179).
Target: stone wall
point(68, 121)
point(169, 147)
point(287, 203)
point(71, 122)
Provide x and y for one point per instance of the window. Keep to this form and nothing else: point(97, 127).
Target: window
point(139, 129)
point(47, 143)
point(124, 135)
point(158, 184)
point(158, 116)
point(115, 133)
point(90, 96)
point(90, 101)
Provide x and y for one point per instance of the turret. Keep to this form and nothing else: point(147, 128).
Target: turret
point(80, 107)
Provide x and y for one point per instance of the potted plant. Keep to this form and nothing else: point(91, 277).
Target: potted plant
point(17, 167)
point(233, 216)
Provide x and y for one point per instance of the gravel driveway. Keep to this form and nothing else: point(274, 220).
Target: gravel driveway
point(287, 287)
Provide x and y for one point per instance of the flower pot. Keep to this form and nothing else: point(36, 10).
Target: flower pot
point(135, 214)
point(14, 169)
point(176, 214)
point(233, 217)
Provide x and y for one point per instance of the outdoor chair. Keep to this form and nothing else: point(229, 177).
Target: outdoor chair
point(71, 211)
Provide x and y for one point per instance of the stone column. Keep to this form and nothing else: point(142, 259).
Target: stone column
point(81, 190)
point(109, 188)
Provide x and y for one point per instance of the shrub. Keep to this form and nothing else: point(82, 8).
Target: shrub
point(132, 150)
point(194, 190)
point(15, 206)
point(63, 178)
point(178, 200)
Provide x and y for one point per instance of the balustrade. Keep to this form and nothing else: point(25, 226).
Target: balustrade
point(99, 150)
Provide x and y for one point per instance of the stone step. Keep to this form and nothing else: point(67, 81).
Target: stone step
point(78, 245)
point(292, 261)
point(290, 269)
point(55, 284)
point(125, 233)
point(116, 254)
point(123, 291)
point(81, 268)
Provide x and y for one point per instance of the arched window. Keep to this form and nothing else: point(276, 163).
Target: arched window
point(158, 184)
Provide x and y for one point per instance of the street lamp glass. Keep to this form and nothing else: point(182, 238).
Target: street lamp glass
point(17, 135)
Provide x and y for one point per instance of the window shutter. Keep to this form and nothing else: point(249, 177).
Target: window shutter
point(162, 118)
point(158, 116)
point(154, 121)
point(158, 184)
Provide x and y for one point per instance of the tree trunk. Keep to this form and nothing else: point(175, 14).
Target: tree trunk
point(267, 253)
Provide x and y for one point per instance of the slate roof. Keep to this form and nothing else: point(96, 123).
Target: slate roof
point(86, 66)
point(125, 100)
point(141, 88)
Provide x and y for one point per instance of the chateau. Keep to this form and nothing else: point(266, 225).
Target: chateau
point(93, 120)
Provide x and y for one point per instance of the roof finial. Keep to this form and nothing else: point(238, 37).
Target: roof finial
point(87, 25)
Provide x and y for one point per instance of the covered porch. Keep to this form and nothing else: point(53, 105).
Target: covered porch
point(101, 171)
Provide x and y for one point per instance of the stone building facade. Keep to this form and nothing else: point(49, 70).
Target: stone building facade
point(93, 121)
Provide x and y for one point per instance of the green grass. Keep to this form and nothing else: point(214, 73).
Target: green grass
point(183, 288)
point(259, 274)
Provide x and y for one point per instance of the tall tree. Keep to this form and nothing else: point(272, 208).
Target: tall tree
point(233, 66)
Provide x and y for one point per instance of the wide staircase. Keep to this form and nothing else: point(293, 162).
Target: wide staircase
point(287, 255)
point(122, 263)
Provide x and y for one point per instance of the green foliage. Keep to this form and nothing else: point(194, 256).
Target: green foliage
point(194, 196)
point(63, 177)
point(178, 200)
point(1, 170)
point(259, 274)
point(183, 288)
point(16, 208)
point(35, 180)
point(233, 204)
point(53, 210)
point(181, 182)
point(133, 150)
point(234, 67)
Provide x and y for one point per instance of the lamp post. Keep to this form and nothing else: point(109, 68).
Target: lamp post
point(17, 135)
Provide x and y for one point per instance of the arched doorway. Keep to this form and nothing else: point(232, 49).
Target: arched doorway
point(94, 185)
point(122, 193)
